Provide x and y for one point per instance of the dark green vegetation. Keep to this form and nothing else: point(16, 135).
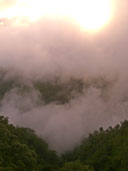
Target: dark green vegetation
point(105, 150)
point(56, 91)
point(22, 150)
point(49, 91)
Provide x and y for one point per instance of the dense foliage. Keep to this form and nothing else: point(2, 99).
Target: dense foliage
point(48, 90)
point(22, 150)
point(51, 90)
point(57, 91)
point(105, 150)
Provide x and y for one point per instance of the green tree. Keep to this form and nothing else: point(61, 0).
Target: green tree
point(76, 166)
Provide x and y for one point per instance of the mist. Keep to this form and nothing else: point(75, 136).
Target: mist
point(52, 47)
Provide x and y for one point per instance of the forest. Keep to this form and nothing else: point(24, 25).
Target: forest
point(103, 150)
point(63, 85)
point(22, 149)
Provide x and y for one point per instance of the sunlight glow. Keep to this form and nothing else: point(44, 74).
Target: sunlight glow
point(89, 14)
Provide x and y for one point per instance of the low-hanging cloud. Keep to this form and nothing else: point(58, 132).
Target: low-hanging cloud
point(52, 48)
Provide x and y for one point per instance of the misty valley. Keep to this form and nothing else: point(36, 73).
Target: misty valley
point(33, 137)
point(63, 85)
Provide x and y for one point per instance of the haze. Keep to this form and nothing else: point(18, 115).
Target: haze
point(88, 14)
point(56, 47)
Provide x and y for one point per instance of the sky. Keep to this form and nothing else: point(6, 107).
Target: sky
point(90, 15)
point(50, 46)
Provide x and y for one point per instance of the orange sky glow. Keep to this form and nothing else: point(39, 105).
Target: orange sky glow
point(90, 15)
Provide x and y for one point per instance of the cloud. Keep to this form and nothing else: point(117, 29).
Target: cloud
point(6, 4)
point(53, 47)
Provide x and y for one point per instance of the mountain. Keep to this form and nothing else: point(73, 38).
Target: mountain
point(105, 150)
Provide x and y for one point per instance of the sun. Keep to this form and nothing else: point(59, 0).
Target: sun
point(88, 14)
point(93, 14)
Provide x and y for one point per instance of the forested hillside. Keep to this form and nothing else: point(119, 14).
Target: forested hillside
point(22, 150)
point(51, 90)
point(63, 85)
point(105, 150)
